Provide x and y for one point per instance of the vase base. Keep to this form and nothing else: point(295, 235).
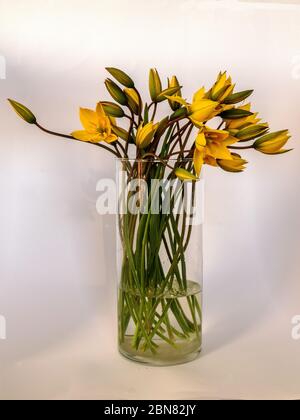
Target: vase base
point(184, 352)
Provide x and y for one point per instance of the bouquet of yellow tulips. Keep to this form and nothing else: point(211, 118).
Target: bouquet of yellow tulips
point(213, 128)
point(219, 147)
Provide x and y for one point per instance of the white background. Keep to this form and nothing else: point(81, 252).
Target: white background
point(57, 267)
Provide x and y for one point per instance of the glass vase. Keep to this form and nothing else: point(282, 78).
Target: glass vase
point(159, 262)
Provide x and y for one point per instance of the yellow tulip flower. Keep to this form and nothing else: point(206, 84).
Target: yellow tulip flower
point(212, 145)
point(222, 88)
point(145, 134)
point(272, 144)
point(173, 83)
point(201, 109)
point(97, 126)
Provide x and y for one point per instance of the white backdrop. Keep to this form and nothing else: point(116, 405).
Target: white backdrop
point(57, 268)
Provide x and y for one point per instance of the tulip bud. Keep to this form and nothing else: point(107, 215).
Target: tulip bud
point(166, 93)
point(251, 132)
point(121, 77)
point(173, 82)
point(116, 93)
point(185, 175)
point(271, 144)
point(235, 114)
point(237, 97)
point(237, 164)
point(155, 86)
point(133, 99)
point(23, 112)
point(145, 134)
point(123, 134)
point(113, 110)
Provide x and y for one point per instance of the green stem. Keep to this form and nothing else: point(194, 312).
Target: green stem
point(66, 136)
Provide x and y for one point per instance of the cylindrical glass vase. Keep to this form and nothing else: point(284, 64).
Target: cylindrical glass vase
point(159, 262)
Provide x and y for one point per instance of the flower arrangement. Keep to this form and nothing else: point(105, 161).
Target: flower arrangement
point(216, 147)
point(159, 304)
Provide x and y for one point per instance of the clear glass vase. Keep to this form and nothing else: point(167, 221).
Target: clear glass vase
point(159, 263)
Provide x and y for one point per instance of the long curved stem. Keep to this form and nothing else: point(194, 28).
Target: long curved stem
point(66, 136)
point(131, 118)
point(240, 147)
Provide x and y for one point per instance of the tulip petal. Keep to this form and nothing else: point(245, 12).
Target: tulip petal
point(111, 138)
point(218, 151)
point(199, 95)
point(198, 161)
point(203, 110)
point(218, 135)
point(200, 141)
point(86, 136)
point(89, 119)
point(177, 99)
point(100, 110)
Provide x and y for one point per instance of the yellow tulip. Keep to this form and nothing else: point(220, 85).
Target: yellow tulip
point(173, 83)
point(211, 145)
point(222, 88)
point(201, 109)
point(217, 142)
point(97, 126)
point(273, 143)
point(145, 134)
